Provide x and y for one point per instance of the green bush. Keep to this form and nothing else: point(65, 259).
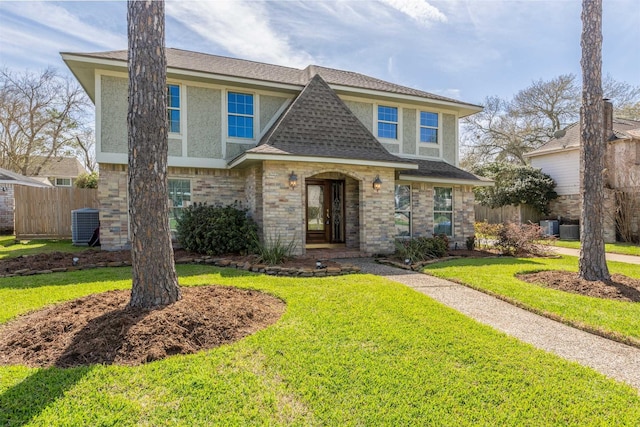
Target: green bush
point(87, 180)
point(421, 248)
point(274, 251)
point(216, 230)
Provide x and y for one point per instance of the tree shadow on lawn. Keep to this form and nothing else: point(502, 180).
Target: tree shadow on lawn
point(110, 274)
point(26, 400)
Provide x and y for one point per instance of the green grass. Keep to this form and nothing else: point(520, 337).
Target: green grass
point(497, 276)
point(10, 248)
point(614, 248)
point(350, 350)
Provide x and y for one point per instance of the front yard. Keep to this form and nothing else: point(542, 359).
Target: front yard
point(349, 350)
point(497, 276)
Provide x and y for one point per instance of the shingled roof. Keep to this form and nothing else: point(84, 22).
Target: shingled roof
point(443, 171)
point(571, 139)
point(232, 67)
point(319, 124)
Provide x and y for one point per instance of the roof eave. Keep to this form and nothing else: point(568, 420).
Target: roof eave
point(248, 157)
point(552, 151)
point(436, 180)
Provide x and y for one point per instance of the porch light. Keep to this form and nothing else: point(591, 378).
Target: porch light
point(377, 183)
point(293, 180)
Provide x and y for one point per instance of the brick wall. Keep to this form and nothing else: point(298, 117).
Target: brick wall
point(567, 207)
point(280, 210)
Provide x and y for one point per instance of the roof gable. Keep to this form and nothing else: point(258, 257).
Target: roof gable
point(58, 167)
point(319, 124)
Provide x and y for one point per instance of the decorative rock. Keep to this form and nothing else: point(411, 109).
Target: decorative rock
point(21, 272)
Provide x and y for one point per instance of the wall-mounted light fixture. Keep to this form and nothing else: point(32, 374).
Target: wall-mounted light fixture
point(3, 189)
point(377, 183)
point(293, 180)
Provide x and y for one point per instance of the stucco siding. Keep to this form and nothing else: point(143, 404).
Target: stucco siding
point(449, 143)
point(269, 106)
point(204, 123)
point(409, 131)
point(392, 148)
point(429, 152)
point(113, 117)
point(363, 111)
point(563, 167)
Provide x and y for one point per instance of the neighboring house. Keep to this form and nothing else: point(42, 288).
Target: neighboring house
point(59, 171)
point(560, 158)
point(319, 156)
point(8, 181)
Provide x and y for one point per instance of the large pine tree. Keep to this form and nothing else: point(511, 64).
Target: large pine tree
point(593, 265)
point(155, 282)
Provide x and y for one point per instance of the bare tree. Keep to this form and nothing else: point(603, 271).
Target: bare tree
point(40, 115)
point(155, 281)
point(592, 264)
point(507, 129)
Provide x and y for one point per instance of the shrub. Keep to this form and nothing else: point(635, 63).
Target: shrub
point(274, 251)
point(421, 248)
point(216, 230)
point(525, 239)
point(471, 243)
point(486, 233)
point(87, 180)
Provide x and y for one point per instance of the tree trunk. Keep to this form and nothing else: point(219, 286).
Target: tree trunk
point(593, 265)
point(155, 282)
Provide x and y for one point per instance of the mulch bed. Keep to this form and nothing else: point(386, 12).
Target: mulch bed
point(103, 329)
point(621, 288)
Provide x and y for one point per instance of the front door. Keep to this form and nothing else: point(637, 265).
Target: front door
point(325, 211)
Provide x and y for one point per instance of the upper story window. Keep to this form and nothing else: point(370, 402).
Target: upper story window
point(240, 115)
point(173, 108)
point(428, 127)
point(387, 122)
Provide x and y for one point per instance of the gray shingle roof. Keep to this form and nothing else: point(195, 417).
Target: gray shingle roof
point(10, 177)
point(439, 169)
point(214, 64)
point(571, 139)
point(319, 124)
point(59, 167)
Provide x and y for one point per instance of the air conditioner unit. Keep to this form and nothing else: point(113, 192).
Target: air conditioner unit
point(83, 223)
point(549, 228)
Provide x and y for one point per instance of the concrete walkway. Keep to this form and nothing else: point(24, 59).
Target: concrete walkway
point(618, 361)
point(631, 259)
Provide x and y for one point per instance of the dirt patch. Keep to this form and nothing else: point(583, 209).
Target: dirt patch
point(621, 288)
point(103, 329)
point(94, 257)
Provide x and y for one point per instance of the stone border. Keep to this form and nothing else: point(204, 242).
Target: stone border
point(216, 262)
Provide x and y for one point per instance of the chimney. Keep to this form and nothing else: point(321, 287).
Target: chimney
point(607, 121)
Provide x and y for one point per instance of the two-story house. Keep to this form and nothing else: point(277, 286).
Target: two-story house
point(319, 156)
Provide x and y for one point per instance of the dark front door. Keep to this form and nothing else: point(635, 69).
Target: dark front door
point(325, 211)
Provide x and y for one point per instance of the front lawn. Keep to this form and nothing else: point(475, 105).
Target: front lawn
point(10, 247)
point(613, 248)
point(497, 276)
point(350, 350)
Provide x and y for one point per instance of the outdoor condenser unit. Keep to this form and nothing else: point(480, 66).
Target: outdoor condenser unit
point(83, 223)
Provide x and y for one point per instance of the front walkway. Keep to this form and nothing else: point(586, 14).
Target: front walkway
point(618, 361)
point(629, 259)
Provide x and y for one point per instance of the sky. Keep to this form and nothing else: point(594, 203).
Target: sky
point(463, 49)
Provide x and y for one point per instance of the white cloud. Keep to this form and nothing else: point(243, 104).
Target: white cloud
point(57, 18)
point(242, 28)
point(418, 10)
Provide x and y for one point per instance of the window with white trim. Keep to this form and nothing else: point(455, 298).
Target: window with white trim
point(387, 122)
point(63, 182)
point(240, 115)
point(402, 216)
point(179, 198)
point(443, 211)
point(173, 108)
point(428, 127)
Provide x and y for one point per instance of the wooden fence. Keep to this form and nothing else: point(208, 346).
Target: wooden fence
point(46, 212)
point(522, 214)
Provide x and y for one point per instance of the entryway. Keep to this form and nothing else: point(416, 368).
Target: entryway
point(325, 212)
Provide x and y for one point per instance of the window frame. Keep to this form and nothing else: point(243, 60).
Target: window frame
point(396, 123)
point(437, 128)
point(172, 207)
point(252, 116)
point(442, 211)
point(403, 211)
point(171, 108)
point(63, 185)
